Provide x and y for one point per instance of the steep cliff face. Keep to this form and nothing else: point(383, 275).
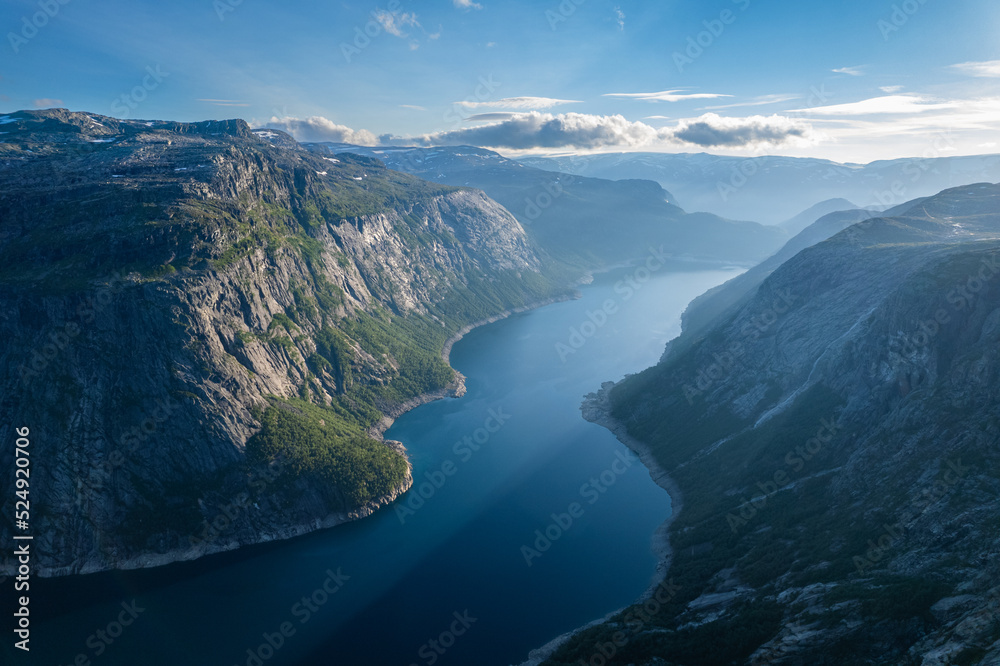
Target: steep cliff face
point(204, 327)
point(835, 441)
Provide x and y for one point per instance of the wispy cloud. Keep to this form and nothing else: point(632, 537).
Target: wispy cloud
point(47, 103)
point(318, 128)
point(467, 4)
point(518, 103)
point(890, 89)
point(985, 69)
point(490, 117)
point(758, 101)
point(414, 107)
point(224, 102)
point(395, 24)
point(889, 104)
point(666, 96)
point(620, 18)
point(851, 71)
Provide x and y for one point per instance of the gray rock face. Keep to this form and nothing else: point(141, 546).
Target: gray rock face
point(835, 437)
point(163, 283)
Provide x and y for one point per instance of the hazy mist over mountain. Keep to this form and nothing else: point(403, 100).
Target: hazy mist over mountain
point(478, 333)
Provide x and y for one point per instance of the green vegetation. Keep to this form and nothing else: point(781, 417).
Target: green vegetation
point(327, 445)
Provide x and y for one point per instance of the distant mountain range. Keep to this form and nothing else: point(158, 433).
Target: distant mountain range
point(772, 189)
point(580, 220)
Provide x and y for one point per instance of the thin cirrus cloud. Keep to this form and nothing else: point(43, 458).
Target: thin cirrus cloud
point(467, 4)
point(518, 103)
point(759, 101)
point(666, 96)
point(535, 130)
point(887, 104)
point(851, 71)
point(224, 102)
point(620, 18)
point(985, 69)
point(490, 117)
point(318, 128)
point(47, 103)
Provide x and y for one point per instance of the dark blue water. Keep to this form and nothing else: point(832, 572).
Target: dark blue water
point(453, 568)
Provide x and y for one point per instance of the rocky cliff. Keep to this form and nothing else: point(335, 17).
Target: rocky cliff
point(834, 438)
point(204, 327)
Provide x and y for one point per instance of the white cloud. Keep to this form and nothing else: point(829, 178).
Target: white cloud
point(518, 103)
point(414, 107)
point(467, 4)
point(985, 69)
point(851, 71)
point(534, 130)
point(318, 128)
point(898, 104)
point(620, 18)
point(490, 117)
point(394, 24)
point(525, 131)
point(890, 89)
point(666, 96)
point(714, 131)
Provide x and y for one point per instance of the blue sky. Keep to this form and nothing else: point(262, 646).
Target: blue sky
point(851, 81)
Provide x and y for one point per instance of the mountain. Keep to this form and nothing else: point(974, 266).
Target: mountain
point(586, 222)
point(702, 311)
point(796, 224)
point(206, 329)
point(771, 189)
point(830, 445)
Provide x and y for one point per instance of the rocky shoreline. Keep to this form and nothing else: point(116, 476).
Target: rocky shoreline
point(596, 408)
point(195, 552)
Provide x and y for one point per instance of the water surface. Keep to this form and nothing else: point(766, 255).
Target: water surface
point(452, 568)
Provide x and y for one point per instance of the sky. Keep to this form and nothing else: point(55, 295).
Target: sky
point(852, 81)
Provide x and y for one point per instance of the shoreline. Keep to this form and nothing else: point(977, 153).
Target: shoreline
point(153, 560)
point(455, 389)
point(596, 408)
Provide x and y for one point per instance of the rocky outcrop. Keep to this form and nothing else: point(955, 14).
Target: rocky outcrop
point(166, 283)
